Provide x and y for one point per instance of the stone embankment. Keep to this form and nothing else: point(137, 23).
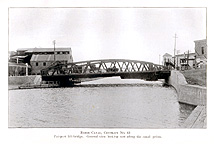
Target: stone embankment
point(193, 95)
point(15, 81)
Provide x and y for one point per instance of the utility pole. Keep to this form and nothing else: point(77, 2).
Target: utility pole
point(54, 42)
point(175, 47)
point(188, 59)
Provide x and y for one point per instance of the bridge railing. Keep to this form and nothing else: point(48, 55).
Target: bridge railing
point(103, 66)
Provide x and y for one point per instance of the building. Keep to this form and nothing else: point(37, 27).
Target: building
point(19, 69)
point(185, 61)
point(188, 60)
point(17, 66)
point(201, 53)
point(39, 58)
point(180, 61)
point(168, 60)
point(44, 57)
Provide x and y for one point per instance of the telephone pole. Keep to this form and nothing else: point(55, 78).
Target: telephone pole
point(54, 42)
point(175, 47)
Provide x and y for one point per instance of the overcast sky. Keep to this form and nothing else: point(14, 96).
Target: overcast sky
point(108, 33)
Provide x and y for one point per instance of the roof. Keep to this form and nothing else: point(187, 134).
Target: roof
point(43, 49)
point(166, 54)
point(17, 65)
point(191, 54)
point(204, 40)
point(15, 57)
point(46, 58)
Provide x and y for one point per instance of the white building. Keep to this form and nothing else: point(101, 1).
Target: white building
point(167, 58)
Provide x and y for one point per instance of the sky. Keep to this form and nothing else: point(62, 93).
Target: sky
point(144, 34)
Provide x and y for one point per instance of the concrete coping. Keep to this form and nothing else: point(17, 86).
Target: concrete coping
point(196, 86)
point(197, 118)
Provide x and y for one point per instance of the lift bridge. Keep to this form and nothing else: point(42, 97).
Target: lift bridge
point(71, 73)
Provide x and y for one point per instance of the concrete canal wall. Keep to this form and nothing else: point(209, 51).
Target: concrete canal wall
point(189, 94)
point(197, 119)
point(194, 95)
point(19, 80)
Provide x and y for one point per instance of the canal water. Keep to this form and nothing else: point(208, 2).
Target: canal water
point(104, 103)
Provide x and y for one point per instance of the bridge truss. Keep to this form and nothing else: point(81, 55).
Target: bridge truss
point(106, 68)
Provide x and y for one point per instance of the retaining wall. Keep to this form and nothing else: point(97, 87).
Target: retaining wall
point(19, 80)
point(190, 94)
point(197, 118)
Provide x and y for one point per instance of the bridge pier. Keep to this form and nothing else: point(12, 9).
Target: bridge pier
point(63, 81)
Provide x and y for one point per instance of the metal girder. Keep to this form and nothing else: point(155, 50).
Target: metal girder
point(102, 67)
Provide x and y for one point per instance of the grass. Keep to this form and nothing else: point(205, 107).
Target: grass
point(196, 76)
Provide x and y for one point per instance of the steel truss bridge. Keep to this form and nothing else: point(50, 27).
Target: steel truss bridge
point(68, 74)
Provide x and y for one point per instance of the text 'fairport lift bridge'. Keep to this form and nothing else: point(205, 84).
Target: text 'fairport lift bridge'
point(68, 74)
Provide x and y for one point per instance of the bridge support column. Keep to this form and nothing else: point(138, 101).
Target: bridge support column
point(65, 82)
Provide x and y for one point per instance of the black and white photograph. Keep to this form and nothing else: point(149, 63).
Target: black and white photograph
point(107, 67)
point(98, 69)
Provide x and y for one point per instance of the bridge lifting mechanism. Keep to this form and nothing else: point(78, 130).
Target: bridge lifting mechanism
point(71, 73)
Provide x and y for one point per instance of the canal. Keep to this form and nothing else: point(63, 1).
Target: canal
point(104, 103)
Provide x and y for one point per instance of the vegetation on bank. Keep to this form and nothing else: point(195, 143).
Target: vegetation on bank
point(196, 76)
